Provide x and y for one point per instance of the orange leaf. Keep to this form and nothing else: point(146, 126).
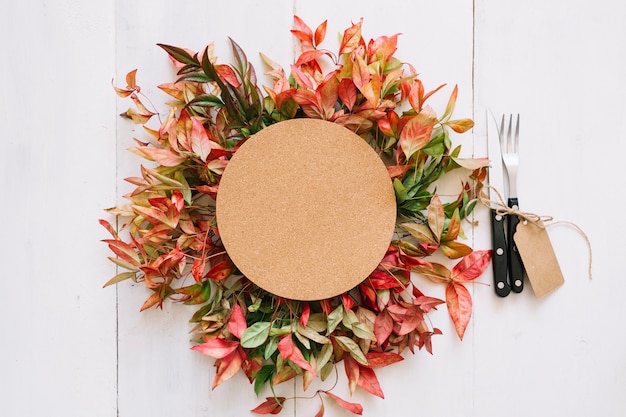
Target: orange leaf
point(436, 217)
point(352, 407)
point(360, 73)
point(227, 367)
point(151, 301)
point(382, 359)
point(164, 157)
point(351, 38)
point(454, 250)
point(309, 56)
point(302, 31)
point(272, 405)
point(369, 382)
point(320, 33)
point(459, 303)
point(347, 93)
point(221, 270)
point(416, 134)
point(460, 126)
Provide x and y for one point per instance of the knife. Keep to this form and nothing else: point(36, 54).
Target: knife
point(499, 255)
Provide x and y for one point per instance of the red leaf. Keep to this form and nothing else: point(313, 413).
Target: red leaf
point(352, 372)
point(227, 367)
point(227, 74)
point(304, 316)
point(369, 382)
point(471, 266)
point(197, 268)
point(352, 407)
point(289, 351)
point(383, 325)
point(109, 228)
point(347, 301)
point(382, 359)
point(217, 348)
point(347, 93)
point(459, 303)
point(221, 270)
point(272, 405)
point(302, 31)
point(237, 322)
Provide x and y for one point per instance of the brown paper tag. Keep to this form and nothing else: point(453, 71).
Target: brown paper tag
point(539, 258)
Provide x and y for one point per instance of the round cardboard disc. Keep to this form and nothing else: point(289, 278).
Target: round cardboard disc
point(306, 209)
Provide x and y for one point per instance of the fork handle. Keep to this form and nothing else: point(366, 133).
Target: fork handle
point(516, 267)
point(499, 255)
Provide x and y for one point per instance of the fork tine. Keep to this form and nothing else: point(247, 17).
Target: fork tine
point(516, 139)
point(502, 138)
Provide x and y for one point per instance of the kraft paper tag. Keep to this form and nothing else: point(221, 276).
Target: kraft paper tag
point(542, 267)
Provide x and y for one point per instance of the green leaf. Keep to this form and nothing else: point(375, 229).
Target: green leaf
point(121, 277)
point(262, 377)
point(255, 335)
point(270, 347)
point(363, 331)
point(354, 349)
point(206, 100)
point(334, 318)
point(401, 192)
point(179, 54)
point(324, 357)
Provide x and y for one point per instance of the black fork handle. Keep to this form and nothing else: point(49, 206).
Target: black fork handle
point(516, 267)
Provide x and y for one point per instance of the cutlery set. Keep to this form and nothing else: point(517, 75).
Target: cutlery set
point(503, 148)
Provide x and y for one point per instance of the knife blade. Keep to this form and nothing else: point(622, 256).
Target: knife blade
point(499, 257)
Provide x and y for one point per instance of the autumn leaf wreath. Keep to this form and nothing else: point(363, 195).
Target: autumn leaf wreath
point(169, 238)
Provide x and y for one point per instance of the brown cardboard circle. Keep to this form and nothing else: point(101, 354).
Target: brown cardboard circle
point(306, 209)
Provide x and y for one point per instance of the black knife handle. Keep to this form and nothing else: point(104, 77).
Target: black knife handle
point(499, 255)
point(516, 267)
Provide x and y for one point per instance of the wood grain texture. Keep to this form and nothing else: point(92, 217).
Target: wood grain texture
point(71, 348)
point(57, 164)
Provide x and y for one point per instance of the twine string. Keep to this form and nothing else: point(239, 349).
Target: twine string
point(503, 209)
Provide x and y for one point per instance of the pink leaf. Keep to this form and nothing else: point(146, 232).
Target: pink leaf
point(200, 142)
point(289, 351)
point(459, 303)
point(369, 382)
point(471, 266)
point(217, 348)
point(237, 323)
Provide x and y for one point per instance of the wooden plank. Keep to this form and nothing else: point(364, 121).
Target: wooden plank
point(560, 65)
point(57, 167)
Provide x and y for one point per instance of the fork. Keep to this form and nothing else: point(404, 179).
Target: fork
point(510, 156)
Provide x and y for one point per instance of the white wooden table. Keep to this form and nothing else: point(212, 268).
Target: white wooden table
point(71, 348)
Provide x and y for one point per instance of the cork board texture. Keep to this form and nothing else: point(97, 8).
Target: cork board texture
point(306, 209)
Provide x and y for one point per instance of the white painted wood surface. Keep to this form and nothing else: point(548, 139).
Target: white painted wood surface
point(71, 348)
